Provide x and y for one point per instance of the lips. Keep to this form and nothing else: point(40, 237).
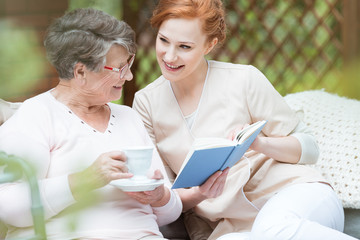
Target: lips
point(171, 67)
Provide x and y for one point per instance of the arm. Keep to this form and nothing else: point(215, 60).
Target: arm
point(15, 201)
point(212, 188)
point(309, 147)
point(170, 211)
point(165, 202)
point(281, 142)
point(24, 135)
point(299, 147)
point(107, 167)
point(283, 149)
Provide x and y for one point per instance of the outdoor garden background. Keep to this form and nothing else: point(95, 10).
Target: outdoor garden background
point(298, 44)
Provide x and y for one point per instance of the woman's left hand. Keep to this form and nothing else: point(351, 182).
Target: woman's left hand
point(157, 197)
point(232, 134)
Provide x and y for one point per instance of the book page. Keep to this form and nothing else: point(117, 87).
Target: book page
point(247, 131)
point(205, 143)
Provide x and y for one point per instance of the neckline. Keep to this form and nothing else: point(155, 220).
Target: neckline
point(110, 123)
point(199, 104)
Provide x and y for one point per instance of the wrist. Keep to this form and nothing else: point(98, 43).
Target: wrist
point(164, 199)
point(80, 185)
point(259, 144)
point(198, 196)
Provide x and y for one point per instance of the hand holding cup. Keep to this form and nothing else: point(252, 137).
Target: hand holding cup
point(138, 162)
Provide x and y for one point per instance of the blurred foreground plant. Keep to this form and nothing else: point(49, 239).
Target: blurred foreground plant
point(14, 167)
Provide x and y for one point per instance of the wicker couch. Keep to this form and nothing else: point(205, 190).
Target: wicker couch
point(335, 122)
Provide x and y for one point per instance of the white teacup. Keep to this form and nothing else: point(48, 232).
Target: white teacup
point(138, 161)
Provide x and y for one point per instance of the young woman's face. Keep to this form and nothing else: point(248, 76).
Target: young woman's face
point(180, 48)
point(106, 85)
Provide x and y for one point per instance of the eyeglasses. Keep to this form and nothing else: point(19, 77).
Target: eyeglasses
point(124, 69)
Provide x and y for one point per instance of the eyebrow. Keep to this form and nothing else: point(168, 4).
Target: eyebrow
point(123, 63)
point(120, 64)
point(181, 42)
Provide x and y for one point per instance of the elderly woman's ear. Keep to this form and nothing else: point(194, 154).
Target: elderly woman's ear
point(79, 71)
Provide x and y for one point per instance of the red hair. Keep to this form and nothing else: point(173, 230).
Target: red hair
point(210, 12)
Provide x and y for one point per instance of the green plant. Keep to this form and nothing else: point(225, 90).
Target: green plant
point(15, 167)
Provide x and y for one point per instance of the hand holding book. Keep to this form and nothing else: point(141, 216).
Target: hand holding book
point(209, 155)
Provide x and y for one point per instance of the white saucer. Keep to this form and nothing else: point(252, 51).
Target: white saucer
point(128, 185)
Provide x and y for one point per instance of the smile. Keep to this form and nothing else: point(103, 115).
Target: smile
point(172, 67)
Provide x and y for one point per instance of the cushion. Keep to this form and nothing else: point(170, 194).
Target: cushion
point(7, 109)
point(335, 122)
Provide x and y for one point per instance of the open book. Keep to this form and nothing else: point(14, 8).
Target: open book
point(208, 155)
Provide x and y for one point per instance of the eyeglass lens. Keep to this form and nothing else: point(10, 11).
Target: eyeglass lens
point(127, 67)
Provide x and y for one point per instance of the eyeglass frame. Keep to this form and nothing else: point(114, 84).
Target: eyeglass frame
point(124, 69)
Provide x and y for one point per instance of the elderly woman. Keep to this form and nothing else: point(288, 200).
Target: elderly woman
point(73, 136)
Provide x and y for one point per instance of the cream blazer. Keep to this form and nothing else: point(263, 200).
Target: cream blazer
point(233, 94)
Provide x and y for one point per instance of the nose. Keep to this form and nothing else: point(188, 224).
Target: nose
point(128, 75)
point(170, 55)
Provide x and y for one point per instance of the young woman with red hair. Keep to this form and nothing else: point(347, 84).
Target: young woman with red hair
point(268, 194)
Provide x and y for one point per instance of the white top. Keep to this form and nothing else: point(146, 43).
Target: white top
point(7, 109)
point(52, 138)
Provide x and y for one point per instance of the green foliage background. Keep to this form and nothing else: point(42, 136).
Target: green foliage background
point(249, 43)
point(112, 7)
point(21, 64)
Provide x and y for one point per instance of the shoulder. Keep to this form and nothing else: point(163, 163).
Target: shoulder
point(153, 89)
point(36, 106)
point(245, 75)
point(33, 114)
point(227, 70)
point(7, 109)
point(152, 95)
point(227, 66)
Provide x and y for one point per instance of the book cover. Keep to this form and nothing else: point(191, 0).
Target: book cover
point(210, 155)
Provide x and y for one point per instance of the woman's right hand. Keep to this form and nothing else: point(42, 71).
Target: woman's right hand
point(214, 185)
point(212, 188)
point(107, 167)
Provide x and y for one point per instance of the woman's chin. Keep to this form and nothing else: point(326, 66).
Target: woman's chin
point(115, 97)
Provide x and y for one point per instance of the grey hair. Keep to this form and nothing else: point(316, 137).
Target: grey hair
point(85, 35)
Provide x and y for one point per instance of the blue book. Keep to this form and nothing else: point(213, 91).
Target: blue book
point(209, 155)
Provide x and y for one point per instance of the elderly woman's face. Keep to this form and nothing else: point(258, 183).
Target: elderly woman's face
point(107, 85)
